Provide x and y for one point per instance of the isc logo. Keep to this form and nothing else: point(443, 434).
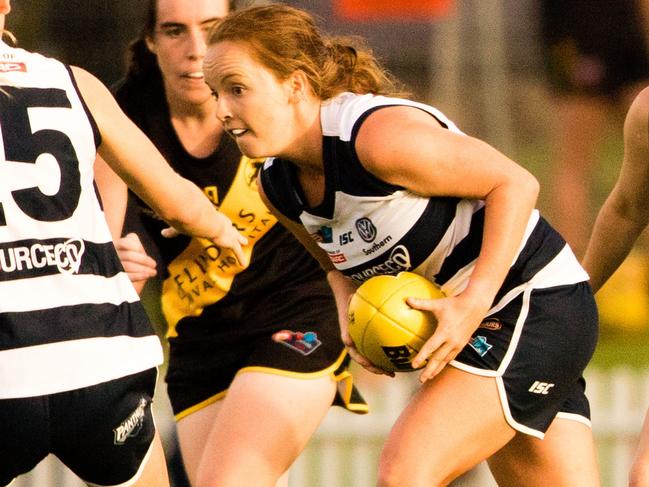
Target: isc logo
point(399, 356)
point(540, 387)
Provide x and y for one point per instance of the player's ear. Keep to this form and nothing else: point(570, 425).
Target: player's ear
point(150, 44)
point(299, 85)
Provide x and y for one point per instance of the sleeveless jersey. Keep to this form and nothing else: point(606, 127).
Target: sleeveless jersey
point(69, 316)
point(369, 227)
point(197, 277)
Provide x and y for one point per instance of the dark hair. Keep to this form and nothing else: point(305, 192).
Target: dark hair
point(141, 62)
point(286, 39)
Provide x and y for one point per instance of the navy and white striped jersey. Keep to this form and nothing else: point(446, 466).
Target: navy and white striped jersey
point(369, 227)
point(69, 316)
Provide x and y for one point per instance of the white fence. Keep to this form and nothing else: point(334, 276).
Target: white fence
point(345, 450)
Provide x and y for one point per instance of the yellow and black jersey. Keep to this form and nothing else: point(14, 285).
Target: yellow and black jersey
point(197, 274)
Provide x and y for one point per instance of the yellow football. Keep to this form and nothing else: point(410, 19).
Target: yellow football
point(384, 328)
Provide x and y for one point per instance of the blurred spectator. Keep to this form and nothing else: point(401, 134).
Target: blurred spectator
point(597, 60)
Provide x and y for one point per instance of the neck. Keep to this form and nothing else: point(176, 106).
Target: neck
point(307, 151)
point(183, 110)
point(196, 126)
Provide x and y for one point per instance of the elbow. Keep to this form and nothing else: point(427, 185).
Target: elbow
point(528, 187)
point(534, 186)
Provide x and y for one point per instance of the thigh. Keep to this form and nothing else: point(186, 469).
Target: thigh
point(451, 424)
point(104, 433)
point(564, 458)
point(153, 471)
point(24, 435)
point(193, 432)
point(262, 425)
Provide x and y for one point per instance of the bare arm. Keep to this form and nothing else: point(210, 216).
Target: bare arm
point(625, 213)
point(443, 163)
point(113, 193)
point(139, 164)
point(114, 196)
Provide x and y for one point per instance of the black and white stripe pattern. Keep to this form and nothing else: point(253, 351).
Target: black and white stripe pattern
point(438, 237)
point(69, 316)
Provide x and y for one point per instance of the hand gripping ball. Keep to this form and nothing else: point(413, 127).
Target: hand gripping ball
point(384, 328)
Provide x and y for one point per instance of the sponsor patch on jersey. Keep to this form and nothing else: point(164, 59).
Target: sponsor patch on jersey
point(366, 229)
point(480, 345)
point(7, 66)
point(302, 342)
point(398, 261)
point(326, 235)
point(337, 257)
point(377, 245)
point(132, 425)
point(66, 256)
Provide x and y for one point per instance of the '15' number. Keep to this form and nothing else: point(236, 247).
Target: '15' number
point(23, 145)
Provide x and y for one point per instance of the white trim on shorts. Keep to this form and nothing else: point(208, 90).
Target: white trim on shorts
point(497, 374)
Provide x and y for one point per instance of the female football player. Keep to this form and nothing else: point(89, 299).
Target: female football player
point(350, 166)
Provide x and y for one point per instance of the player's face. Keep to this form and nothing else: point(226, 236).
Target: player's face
point(255, 107)
point(179, 44)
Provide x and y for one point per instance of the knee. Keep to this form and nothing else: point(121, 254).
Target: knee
point(394, 472)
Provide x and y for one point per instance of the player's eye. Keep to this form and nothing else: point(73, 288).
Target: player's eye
point(173, 32)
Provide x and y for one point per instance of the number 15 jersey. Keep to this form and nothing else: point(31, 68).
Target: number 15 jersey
point(69, 316)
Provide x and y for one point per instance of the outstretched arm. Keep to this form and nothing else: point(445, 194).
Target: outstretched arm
point(139, 164)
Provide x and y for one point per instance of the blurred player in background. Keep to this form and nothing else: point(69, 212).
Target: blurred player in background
point(621, 220)
point(380, 184)
point(597, 60)
point(255, 355)
point(77, 353)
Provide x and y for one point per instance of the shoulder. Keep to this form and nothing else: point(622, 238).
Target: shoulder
point(640, 104)
point(341, 114)
point(636, 124)
point(93, 90)
point(344, 114)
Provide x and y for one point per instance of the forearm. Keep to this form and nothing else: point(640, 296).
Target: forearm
point(342, 288)
point(507, 213)
point(612, 238)
point(189, 211)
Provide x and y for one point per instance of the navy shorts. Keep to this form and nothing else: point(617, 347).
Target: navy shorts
point(537, 347)
point(103, 433)
point(292, 331)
